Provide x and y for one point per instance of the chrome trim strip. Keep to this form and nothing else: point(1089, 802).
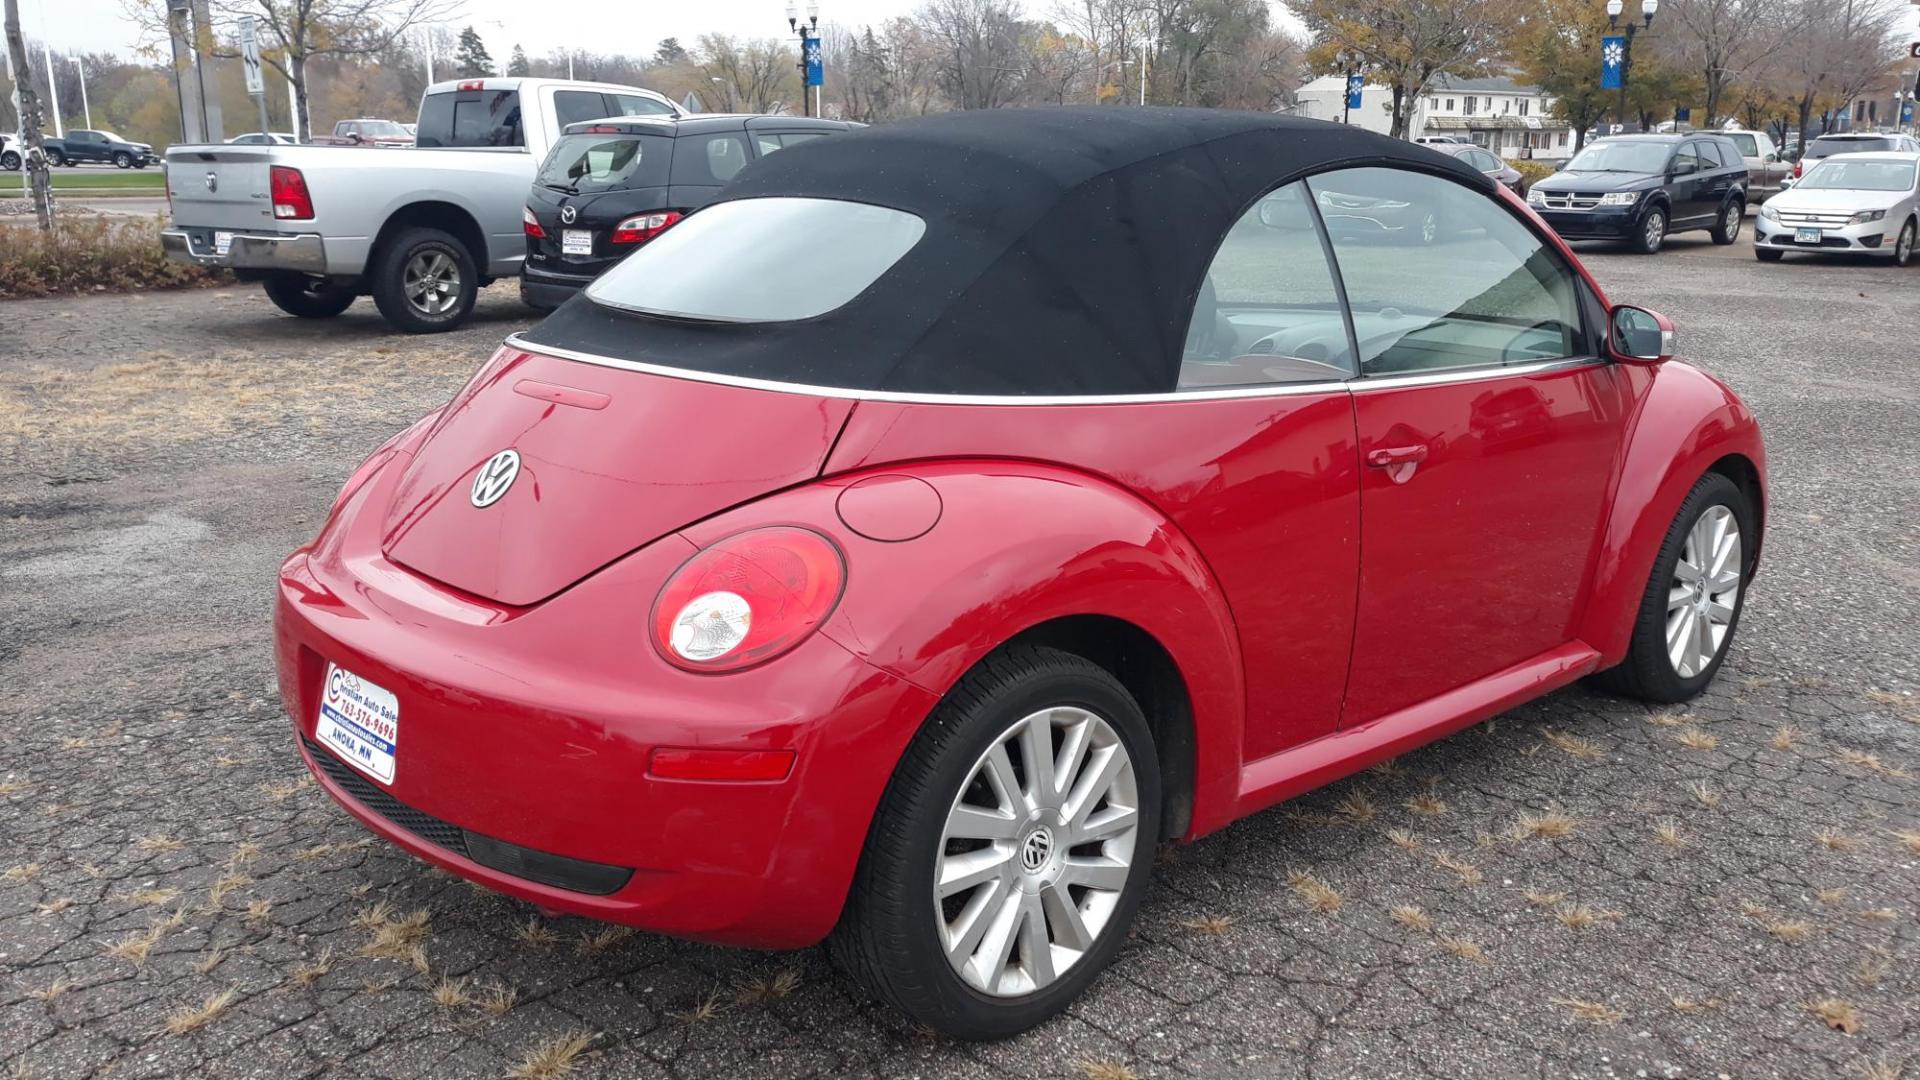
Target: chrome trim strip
point(1361, 385)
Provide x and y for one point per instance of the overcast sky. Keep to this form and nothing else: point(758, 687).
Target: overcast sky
point(608, 26)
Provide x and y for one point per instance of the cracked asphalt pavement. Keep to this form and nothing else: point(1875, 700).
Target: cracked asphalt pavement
point(1579, 888)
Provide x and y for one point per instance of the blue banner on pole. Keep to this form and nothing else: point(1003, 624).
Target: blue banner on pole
point(1355, 84)
point(816, 73)
point(1613, 61)
point(1906, 112)
point(1682, 115)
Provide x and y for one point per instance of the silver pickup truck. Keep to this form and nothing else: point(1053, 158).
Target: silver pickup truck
point(420, 230)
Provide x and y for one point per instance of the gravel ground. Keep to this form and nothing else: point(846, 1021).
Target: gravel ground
point(1580, 887)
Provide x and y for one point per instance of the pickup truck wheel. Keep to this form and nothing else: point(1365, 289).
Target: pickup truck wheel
point(425, 282)
point(309, 298)
point(123, 160)
point(56, 159)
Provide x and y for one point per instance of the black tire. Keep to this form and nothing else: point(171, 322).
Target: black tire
point(56, 159)
point(388, 279)
point(1903, 244)
point(122, 160)
point(887, 939)
point(1767, 254)
point(309, 297)
point(1735, 213)
point(1647, 238)
point(10, 161)
point(1647, 673)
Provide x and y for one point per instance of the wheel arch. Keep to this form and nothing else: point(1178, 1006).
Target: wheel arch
point(448, 217)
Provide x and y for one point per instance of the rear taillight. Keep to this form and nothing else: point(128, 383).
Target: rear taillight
point(290, 199)
point(1797, 166)
point(747, 599)
point(641, 228)
point(530, 224)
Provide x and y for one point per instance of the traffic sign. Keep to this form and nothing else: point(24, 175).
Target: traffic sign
point(250, 57)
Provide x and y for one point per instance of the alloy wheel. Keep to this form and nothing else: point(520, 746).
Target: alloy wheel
point(432, 283)
point(1732, 222)
point(1036, 851)
point(1903, 245)
point(1704, 593)
point(1656, 231)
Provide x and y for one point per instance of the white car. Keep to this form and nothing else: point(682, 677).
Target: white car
point(1861, 204)
point(265, 138)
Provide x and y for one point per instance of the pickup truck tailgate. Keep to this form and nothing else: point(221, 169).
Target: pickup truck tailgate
point(220, 187)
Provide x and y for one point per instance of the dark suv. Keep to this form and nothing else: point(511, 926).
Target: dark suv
point(1642, 188)
point(609, 186)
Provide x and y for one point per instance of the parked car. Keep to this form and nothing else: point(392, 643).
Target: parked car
point(367, 132)
point(609, 186)
point(84, 147)
point(420, 230)
point(1848, 203)
point(1766, 165)
point(265, 138)
point(1640, 189)
point(1439, 140)
point(887, 552)
point(1853, 143)
point(1485, 160)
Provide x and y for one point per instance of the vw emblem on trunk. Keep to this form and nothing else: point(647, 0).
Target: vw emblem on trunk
point(495, 477)
point(567, 214)
point(213, 181)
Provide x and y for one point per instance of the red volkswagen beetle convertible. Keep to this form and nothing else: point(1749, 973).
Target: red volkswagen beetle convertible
point(898, 550)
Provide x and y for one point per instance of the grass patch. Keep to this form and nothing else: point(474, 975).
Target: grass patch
point(13, 183)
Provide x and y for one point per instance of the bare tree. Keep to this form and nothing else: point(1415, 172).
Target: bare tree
point(979, 48)
point(26, 106)
point(1719, 40)
point(295, 32)
point(750, 76)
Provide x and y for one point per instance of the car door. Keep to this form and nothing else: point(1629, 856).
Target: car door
point(1688, 184)
point(1489, 433)
point(81, 146)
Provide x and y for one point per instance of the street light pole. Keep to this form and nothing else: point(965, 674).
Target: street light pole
point(808, 31)
point(1648, 8)
point(84, 107)
point(53, 96)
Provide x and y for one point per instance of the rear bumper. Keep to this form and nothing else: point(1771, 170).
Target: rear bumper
point(304, 253)
point(548, 291)
point(524, 738)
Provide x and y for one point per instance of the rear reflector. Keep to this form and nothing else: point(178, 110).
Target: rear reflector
point(530, 224)
point(690, 763)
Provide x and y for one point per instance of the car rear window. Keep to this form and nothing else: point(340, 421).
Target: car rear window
point(584, 163)
point(1746, 144)
point(761, 260)
point(471, 118)
point(1822, 147)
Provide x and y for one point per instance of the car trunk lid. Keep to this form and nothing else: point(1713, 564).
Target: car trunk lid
point(608, 461)
point(220, 187)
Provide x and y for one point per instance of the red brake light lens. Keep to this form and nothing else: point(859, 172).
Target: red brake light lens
point(291, 202)
point(748, 599)
point(641, 228)
point(530, 224)
point(473, 84)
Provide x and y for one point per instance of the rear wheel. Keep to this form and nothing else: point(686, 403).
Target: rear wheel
point(309, 297)
point(424, 281)
point(10, 161)
point(1692, 605)
point(1727, 229)
point(1653, 232)
point(1010, 851)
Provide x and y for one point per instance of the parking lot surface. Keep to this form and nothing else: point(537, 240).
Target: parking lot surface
point(1580, 887)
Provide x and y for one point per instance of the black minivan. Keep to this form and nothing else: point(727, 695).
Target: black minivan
point(609, 186)
point(1643, 188)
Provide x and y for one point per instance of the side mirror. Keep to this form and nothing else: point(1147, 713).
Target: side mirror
point(1641, 336)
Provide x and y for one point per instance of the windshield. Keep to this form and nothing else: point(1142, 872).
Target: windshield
point(1823, 147)
point(741, 261)
point(586, 163)
point(1859, 176)
point(1609, 156)
point(378, 127)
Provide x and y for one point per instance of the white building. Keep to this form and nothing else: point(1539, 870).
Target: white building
point(1511, 119)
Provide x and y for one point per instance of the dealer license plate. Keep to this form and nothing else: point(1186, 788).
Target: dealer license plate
point(576, 242)
point(360, 722)
point(1807, 236)
point(222, 243)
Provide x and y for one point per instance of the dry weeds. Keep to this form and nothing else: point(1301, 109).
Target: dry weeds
point(1316, 894)
point(190, 1018)
point(1412, 918)
point(553, 1059)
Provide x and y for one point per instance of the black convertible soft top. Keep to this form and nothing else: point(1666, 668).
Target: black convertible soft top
point(1063, 252)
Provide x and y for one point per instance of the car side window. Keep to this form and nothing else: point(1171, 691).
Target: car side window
point(708, 160)
point(1267, 312)
point(635, 105)
point(1685, 160)
point(1439, 276)
point(573, 106)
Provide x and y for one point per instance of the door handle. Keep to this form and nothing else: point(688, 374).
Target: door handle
point(1398, 461)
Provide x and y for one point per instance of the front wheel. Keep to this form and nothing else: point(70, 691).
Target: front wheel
point(424, 281)
point(10, 161)
point(1692, 605)
point(123, 160)
point(308, 297)
point(1653, 232)
point(1727, 229)
point(1010, 851)
point(1903, 245)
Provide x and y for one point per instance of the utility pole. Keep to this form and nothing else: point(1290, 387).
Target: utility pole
point(53, 95)
point(186, 72)
point(26, 105)
point(202, 56)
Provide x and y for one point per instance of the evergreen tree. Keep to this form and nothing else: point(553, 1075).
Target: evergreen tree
point(471, 56)
point(669, 51)
point(517, 65)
